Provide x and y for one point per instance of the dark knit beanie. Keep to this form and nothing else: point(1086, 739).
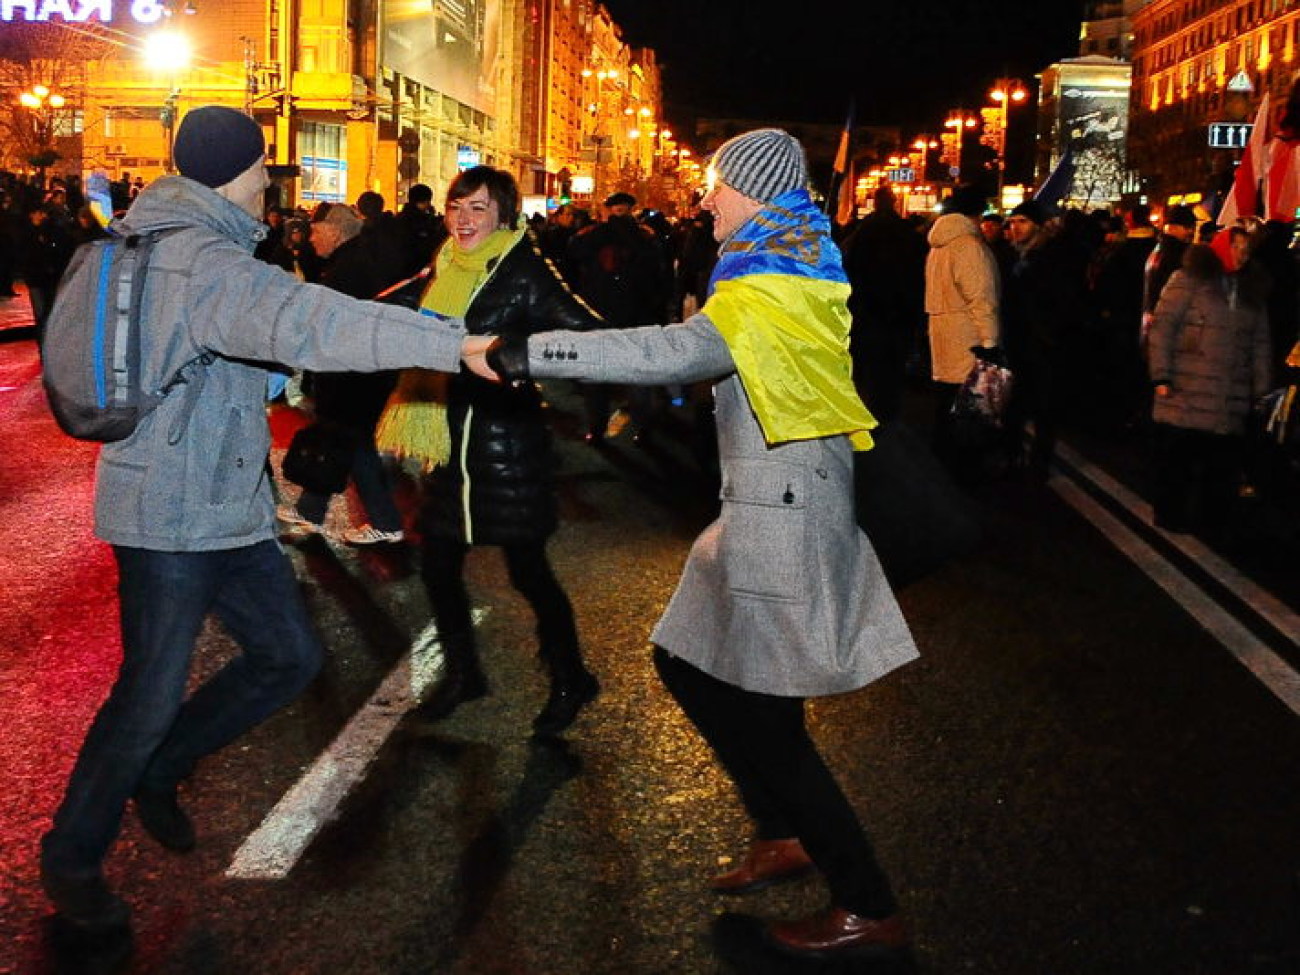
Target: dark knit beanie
point(1033, 211)
point(214, 144)
point(762, 164)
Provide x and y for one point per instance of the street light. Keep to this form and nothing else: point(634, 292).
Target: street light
point(1006, 92)
point(168, 51)
point(42, 105)
point(924, 145)
point(958, 121)
point(601, 137)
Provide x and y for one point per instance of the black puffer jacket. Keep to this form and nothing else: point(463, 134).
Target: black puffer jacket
point(499, 487)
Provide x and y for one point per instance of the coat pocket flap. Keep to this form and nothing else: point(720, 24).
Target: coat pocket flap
point(765, 483)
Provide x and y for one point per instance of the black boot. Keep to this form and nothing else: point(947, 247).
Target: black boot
point(163, 818)
point(572, 687)
point(462, 680)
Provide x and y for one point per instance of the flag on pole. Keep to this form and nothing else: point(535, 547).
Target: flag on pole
point(1054, 188)
point(847, 202)
point(1243, 198)
point(841, 195)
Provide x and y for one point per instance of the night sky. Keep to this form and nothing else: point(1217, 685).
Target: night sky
point(907, 62)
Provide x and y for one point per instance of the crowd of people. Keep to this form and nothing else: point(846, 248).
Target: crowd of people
point(1171, 331)
point(807, 346)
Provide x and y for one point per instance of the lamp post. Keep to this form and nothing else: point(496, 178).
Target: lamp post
point(168, 51)
point(924, 145)
point(1005, 93)
point(42, 105)
point(959, 121)
point(600, 138)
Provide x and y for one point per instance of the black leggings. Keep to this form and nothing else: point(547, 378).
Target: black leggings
point(762, 742)
point(530, 573)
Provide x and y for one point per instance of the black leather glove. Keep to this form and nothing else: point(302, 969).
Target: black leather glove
point(508, 358)
point(994, 356)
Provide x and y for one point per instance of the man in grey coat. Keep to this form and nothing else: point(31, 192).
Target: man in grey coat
point(782, 597)
point(186, 500)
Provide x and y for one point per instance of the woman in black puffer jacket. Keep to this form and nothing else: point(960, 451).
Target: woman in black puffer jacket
point(498, 487)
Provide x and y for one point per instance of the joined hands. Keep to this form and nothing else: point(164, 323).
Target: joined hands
point(473, 352)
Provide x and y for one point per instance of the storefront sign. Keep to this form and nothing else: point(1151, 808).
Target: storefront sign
point(80, 11)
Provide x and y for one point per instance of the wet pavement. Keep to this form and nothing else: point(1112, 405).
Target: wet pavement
point(1075, 779)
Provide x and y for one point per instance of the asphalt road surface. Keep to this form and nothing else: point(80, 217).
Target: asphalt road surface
point(1093, 769)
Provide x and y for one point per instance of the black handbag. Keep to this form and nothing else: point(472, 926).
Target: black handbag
point(319, 457)
point(915, 516)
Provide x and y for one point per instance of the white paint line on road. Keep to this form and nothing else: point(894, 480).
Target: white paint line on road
point(271, 851)
point(1284, 619)
point(1270, 669)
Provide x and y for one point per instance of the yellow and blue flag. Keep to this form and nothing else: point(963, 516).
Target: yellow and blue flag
point(779, 296)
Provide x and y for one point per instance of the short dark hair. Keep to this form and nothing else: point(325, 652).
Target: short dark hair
point(370, 205)
point(419, 193)
point(966, 200)
point(500, 185)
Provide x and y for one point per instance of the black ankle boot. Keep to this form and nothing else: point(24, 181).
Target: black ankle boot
point(163, 818)
point(570, 691)
point(462, 680)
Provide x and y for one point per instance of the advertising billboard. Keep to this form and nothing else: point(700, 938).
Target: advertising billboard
point(1092, 103)
point(447, 45)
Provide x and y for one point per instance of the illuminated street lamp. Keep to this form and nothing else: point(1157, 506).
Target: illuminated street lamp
point(169, 52)
point(42, 107)
point(1005, 93)
point(957, 124)
point(924, 145)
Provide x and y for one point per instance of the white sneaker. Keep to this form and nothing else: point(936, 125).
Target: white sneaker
point(288, 514)
point(370, 535)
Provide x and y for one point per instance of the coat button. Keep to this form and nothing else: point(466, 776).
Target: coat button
point(239, 462)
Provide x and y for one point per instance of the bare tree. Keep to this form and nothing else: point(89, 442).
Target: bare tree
point(45, 53)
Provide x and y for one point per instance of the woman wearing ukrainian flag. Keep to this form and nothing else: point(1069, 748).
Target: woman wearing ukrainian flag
point(782, 597)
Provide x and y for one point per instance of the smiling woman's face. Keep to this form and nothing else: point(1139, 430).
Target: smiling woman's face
point(471, 218)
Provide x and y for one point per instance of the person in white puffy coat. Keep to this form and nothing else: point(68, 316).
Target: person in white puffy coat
point(961, 300)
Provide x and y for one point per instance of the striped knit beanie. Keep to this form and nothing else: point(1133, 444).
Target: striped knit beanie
point(762, 164)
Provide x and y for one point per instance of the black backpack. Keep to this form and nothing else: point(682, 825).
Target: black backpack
point(90, 350)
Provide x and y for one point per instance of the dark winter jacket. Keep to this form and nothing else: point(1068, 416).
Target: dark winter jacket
point(1120, 283)
point(354, 398)
point(1209, 343)
point(499, 487)
point(622, 272)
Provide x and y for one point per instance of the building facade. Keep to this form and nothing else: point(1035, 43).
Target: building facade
point(353, 95)
point(1108, 29)
point(1199, 62)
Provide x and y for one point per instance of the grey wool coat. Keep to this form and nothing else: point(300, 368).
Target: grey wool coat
point(783, 593)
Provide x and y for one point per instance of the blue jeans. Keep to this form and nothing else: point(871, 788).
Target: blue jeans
point(147, 733)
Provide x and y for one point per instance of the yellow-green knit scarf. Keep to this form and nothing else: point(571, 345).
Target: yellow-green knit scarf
point(414, 423)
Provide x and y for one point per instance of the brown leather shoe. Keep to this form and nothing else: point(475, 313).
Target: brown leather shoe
point(767, 862)
point(835, 932)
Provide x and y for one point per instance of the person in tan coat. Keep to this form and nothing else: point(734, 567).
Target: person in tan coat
point(961, 300)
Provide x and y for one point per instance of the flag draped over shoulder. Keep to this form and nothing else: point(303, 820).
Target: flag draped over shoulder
point(779, 297)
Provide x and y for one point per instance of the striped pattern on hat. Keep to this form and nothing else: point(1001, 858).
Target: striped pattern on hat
point(762, 164)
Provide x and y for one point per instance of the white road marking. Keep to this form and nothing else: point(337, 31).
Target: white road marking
point(1259, 599)
point(1270, 669)
point(271, 851)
